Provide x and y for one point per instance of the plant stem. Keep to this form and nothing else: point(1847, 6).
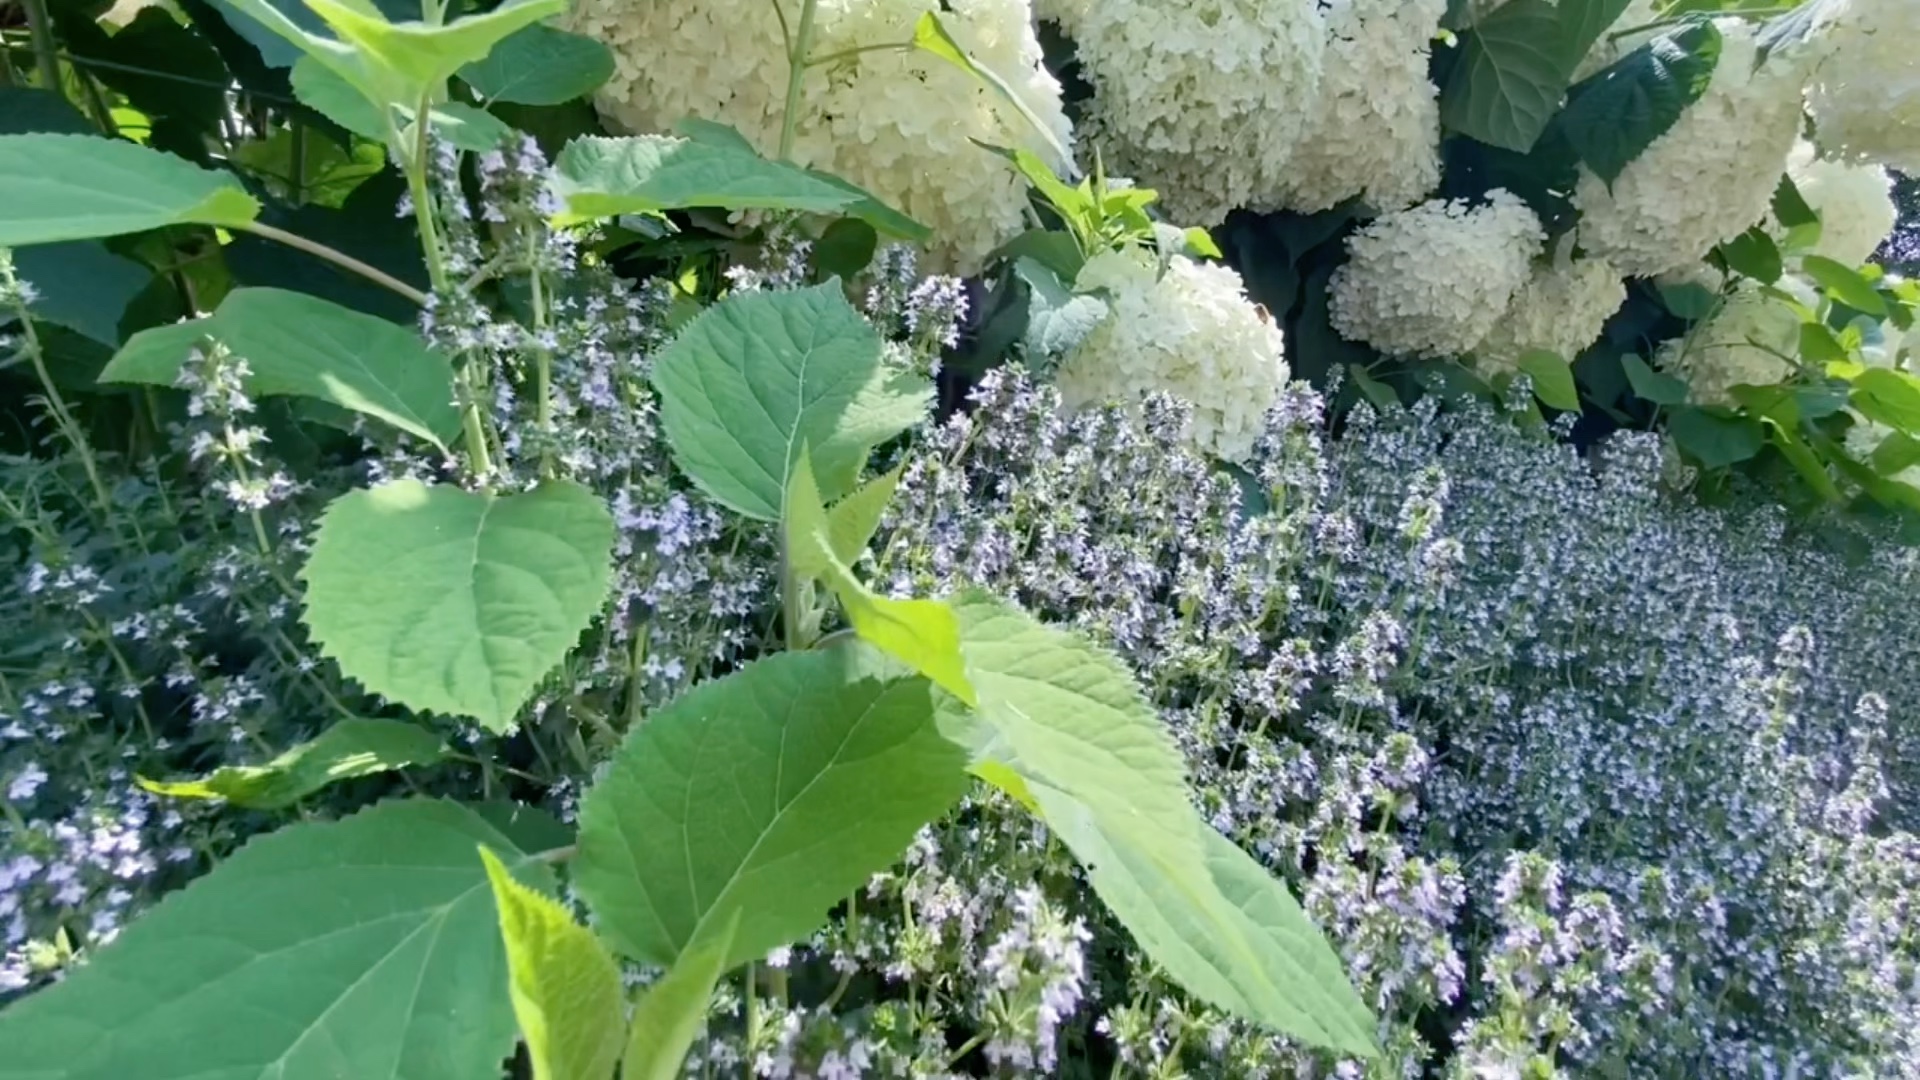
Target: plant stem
point(46, 54)
point(796, 76)
point(56, 404)
point(338, 258)
point(542, 359)
point(843, 54)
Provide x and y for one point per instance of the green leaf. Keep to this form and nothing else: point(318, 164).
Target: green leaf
point(455, 601)
point(338, 100)
point(1062, 726)
point(853, 520)
point(1614, 116)
point(845, 248)
point(761, 374)
point(469, 128)
point(765, 796)
point(415, 56)
point(1200, 244)
point(606, 177)
point(354, 747)
point(1057, 251)
point(1845, 284)
point(1714, 440)
point(1790, 207)
point(1896, 453)
point(931, 36)
point(1514, 67)
point(24, 112)
point(1058, 319)
point(79, 187)
point(565, 988)
point(1818, 344)
point(301, 345)
point(1650, 385)
point(355, 948)
point(1687, 300)
point(1803, 459)
point(923, 634)
point(82, 286)
point(1379, 394)
point(1888, 397)
point(540, 65)
point(1754, 254)
point(1552, 379)
point(669, 1017)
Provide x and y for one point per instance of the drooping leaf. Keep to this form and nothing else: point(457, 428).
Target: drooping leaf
point(270, 39)
point(1614, 116)
point(301, 345)
point(607, 177)
point(1790, 207)
point(1888, 397)
point(454, 601)
point(1651, 385)
point(82, 286)
point(766, 795)
point(1844, 284)
point(358, 746)
point(564, 987)
point(923, 634)
point(1552, 379)
point(540, 65)
point(1714, 440)
point(1753, 254)
point(80, 187)
point(931, 36)
point(669, 1017)
point(1515, 64)
point(363, 947)
point(760, 375)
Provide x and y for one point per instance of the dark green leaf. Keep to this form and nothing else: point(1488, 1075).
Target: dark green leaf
point(82, 286)
point(24, 112)
point(1688, 300)
point(540, 65)
point(1753, 254)
point(1790, 207)
point(1515, 65)
point(1804, 460)
point(1614, 116)
point(1896, 453)
point(1713, 440)
point(845, 249)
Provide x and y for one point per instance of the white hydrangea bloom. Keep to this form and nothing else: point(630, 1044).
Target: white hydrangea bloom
point(1191, 333)
point(1745, 342)
point(1562, 309)
point(1710, 177)
point(1435, 279)
point(1855, 204)
point(1202, 100)
point(899, 123)
point(1376, 131)
point(1865, 97)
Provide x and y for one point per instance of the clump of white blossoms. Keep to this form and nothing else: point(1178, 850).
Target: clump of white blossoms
point(1865, 97)
point(1202, 100)
point(1562, 310)
point(897, 122)
point(1376, 131)
point(1855, 204)
point(1190, 332)
point(1710, 177)
point(1434, 280)
point(1746, 341)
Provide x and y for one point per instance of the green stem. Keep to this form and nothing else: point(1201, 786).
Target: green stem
point(796, 76)
point(844, 54)
point(337, 258)
point(56, 404)
point(542, 360)
point(46, 54)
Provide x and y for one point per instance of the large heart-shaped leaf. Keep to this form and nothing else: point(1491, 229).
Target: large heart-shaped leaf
point(1614, 116)
point(354, 747)
point(540, 65)
point(455, 601)
point(1515, 65)
point(760, 375)
point(80, 187)
point(765, 796)
point(356, 948)
point(302, 345)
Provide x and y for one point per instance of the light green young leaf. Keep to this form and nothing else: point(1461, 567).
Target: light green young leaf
point(1845, 284)
point(669, 1017)
point(301, 345)
point(761, 374)
point(767, 795)
point(345, 104)
point(1888, 397)
point(565, 988)
point(363, 947)
point(81, 187)
point(923, 634)
point(930, 35)
point(853, 520)
point(354, 747)
point(606, 177)
point(1552, 379)
point(540, 65)
point(414, 57)
point(455, 601)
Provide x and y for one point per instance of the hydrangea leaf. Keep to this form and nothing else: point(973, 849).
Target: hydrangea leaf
point(540, 65)
point(1094, 759)
point(1552, 379)
point(767, 795)
point(759, 375)
point(354, 747)
point(1653, 386)
point(669, 1017)
point(1889, 397)
point(1845, 284)
point(301, 345)
point(923, 634)
point(606, 177)
point(931, 36)
point(565, 989)
point(81, 187)
point(82, 286)
point(1614, 116)
point(455, 601)
point(24, 111)
point(362, 947)
point(1714, 440)
point(1515, 65)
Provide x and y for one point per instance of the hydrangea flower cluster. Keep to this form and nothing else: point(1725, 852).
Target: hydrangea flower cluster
point(1202, 101)
point(1855, 204)
point(1375, 132)
point(1865, 96)
point(1711, 176)
point(1748, 340)
point(1434, 280)
point(1562, 309)
point(898, 122)
point(1190, 332)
